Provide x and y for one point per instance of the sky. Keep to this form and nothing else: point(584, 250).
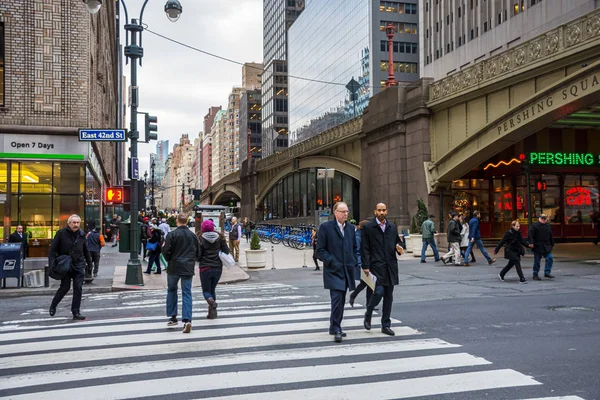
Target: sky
point(177, 84)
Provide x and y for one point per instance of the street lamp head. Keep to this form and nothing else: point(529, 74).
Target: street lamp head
point(389, 30)
point(173, 9)
point(93, 6)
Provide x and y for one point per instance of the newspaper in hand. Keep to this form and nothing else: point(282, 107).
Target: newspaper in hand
point(369, 279)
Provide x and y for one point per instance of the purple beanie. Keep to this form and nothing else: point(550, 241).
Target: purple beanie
point(208, 226)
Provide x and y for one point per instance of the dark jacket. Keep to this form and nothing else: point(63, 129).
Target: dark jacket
point(513, 243)
point(210, 245)
point(15, 238)
point(540, 235)
point(114, 225)
point(67, 242)
point(144, 231)
point(454, 231)
point(156, 237)
point(474, 231)
point(93, 242)
point(234, 233)
point(378, 251)
point(181, 251)
point(358, 268)
point(338, 254)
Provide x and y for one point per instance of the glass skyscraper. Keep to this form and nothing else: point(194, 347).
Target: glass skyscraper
point(335, 41)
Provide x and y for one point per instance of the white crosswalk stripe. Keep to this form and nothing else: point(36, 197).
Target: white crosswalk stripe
point(269, 342)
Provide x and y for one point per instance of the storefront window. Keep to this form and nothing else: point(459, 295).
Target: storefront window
point(304, 194)
point(297, 194)
point(337, 189)
point(3, 194)
point(347, 196)
point(92, 201)
point(34, 177)
point(581, 198)
point(68, 178)
point(312, 187)
point(471, 195)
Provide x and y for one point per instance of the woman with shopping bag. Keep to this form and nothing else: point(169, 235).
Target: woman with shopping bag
point(211, 267)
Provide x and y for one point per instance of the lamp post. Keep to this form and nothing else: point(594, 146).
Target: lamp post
point(152, 165)
point(135, 52)
point(391, 80)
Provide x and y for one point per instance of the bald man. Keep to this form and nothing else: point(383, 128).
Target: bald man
point(380, 243)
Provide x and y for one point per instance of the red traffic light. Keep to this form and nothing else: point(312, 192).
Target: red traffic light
point(114, 195)
point(541, 186)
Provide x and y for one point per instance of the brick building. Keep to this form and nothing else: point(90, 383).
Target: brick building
point(58, 74)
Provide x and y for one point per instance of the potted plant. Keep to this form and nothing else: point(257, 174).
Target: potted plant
point(255, 256)
point(416, 236)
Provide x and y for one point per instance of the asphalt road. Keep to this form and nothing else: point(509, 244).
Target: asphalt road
point(549, 331)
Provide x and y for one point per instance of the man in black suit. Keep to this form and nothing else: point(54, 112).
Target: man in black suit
point(336, 247)
point(19, 236)
point(380, 243)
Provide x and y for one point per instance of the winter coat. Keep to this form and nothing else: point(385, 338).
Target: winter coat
point(513, 243)
point(67, 242)
point(453, 231)
point(358, 268)
point(338, 254)
point(181, 251)
point(156, 237)
point(378, 251)
point(95, 241)
point(210, 245)
point(464, 235)
point(540, 235)
point(428, 229)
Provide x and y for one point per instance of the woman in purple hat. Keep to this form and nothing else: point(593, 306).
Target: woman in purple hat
point(211, 267)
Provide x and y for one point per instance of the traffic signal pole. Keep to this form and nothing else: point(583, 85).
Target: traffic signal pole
point(134, 52)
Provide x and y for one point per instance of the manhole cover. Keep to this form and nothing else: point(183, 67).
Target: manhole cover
point(572, 308)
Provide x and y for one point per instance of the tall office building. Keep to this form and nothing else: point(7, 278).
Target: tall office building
point(250, 125)
point(162, 153)
point(206, 145)
point(457, 35)
point(335, 41)
point(278, 16)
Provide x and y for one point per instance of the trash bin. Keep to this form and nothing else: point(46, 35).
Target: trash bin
point(11, 263)
point(124, 237)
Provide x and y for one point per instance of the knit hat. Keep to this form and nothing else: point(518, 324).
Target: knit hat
point(208, 226)
point(146, 219)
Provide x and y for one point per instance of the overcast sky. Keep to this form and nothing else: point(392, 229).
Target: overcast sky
point(177, 84)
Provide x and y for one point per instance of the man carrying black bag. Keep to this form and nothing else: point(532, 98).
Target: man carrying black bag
point(70, 241)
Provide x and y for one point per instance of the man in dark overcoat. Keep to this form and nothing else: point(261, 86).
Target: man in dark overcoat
point(336, 247)
point(18, 236)
point(380, 243)
point(540, 235)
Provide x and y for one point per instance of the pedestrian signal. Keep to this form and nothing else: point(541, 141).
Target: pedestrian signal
point(114, 195)
point(541, 186)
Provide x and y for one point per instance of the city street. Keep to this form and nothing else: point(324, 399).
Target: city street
point(463, 335)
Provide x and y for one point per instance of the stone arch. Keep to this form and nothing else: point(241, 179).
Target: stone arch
point(339, 164)
point(227, 189)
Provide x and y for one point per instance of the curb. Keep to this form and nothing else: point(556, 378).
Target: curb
point(133, 288)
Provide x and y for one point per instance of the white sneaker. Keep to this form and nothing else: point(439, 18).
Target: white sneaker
point(500, 277)
point(187, 327)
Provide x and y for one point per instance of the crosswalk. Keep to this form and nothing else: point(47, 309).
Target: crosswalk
point(269, 342)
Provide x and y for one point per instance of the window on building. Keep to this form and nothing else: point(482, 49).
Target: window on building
point(1, 63)
point(459, 12)
point(426, 6)
point(485, 26)
point(472, 34)
point(448, 19)
point(437, 27)
point(427, 33)
point(459, 41)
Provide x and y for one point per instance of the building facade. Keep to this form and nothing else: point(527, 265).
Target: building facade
point(162, 152)
point(206, 157)
point(331, 44)
point(250, 125)
point(251, 73)
point(278, 17)
point(217, 131)
point(457, 35)
point(52, 83)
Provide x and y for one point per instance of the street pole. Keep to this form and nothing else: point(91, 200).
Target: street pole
point(391, 80)
point(152, 187)
point(134, 52)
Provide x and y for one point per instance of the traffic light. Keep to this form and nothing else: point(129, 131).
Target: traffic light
point(114, 195)
point(540, 186)
point(151, 128)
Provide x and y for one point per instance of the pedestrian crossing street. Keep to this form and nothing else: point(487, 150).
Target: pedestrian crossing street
point(270, 341)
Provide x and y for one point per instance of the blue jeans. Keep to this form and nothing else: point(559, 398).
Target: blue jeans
point(430, 242)
point(209, 280)
point(479, 244)
point(186, 296)
point(537, 257)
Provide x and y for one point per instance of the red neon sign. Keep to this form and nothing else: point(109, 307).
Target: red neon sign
point(578, 196)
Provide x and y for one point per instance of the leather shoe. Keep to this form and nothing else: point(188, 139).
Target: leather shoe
point(388, 331)
point(536, 278)
point(52, 311)
point(549, 276)
point(78, 317)
point(351, 299)
point(338, 337)
point(367, 323)
point(343, 334)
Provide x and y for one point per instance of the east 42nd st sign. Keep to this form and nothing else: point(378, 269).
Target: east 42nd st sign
point(102, 135)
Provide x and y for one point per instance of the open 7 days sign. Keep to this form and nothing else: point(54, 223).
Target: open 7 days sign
point(564, 159)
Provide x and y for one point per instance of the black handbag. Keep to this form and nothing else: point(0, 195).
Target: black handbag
point(61, 267)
